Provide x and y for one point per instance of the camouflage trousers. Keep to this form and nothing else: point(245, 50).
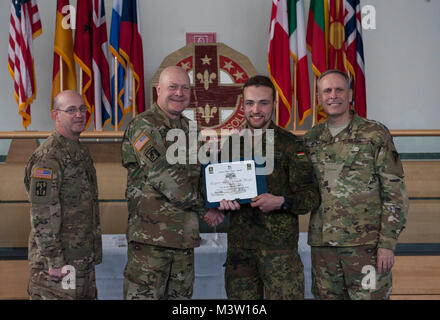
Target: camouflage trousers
point(156, 273)
point(255, 274)
point(42, 286)
point(337, 274)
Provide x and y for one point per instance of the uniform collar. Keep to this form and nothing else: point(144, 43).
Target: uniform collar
point(71, 146)
point(245, 126)
point(348, 133)
point(65, 141)
point(164, 119)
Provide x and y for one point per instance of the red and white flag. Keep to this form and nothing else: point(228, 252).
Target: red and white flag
point(82, 52)
point(25, 25)
point(90, 52)
point(279, 60)
point(298, 50)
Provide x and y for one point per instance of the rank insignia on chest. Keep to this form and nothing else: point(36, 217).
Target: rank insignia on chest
point(152, 154)
point(43, 173)
point(41, 189)
point(140, 142)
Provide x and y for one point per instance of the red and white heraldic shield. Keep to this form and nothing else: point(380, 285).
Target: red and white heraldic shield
point(217, 74)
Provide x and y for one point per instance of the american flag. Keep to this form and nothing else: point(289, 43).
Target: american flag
point(355, 54)
point(25, 25)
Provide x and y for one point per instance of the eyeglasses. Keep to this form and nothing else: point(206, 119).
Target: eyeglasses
point(175, 87)
point(72, 110)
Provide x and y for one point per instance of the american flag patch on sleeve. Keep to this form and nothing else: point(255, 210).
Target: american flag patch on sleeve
point(43, 173)
point(140, 142)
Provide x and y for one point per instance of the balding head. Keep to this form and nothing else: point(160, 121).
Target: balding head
point(69, 113)
point(172, 71)
point(173, 91)
point(62, 98)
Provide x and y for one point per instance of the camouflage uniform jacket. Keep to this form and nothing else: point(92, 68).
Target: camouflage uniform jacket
point(364, 198)
point(292, 177)
point(163, 199)
point(60, 180)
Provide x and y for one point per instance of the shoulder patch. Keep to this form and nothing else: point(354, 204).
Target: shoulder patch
point(42, 173)
point(152, 154)
point(140, 142)
point(300, 153)
point(41, 189)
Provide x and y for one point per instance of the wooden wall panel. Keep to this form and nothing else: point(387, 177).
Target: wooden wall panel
point(416, 275)
point(422, 178)
point(14, 277)
point(414, 278)
point(15, 222)
point(423, 222)
point(422, 226)
point(112, 181)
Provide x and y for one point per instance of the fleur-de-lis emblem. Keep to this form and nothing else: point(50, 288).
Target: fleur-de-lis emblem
point(206, 78)
point(207, 113)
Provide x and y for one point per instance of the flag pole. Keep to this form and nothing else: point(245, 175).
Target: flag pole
point(277, 108)
point(295, 96)
point(61, 74)
point(314, 102)
point(115, 65)
point(134, 95)
point(80, 81)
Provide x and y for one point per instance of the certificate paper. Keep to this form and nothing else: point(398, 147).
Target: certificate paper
point(230, 181)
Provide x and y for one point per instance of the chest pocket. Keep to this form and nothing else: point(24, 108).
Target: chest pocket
point(359, 161)
point(343, 160)
point(78, 180)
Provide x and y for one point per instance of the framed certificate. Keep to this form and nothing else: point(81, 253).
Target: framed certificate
point(235, 180)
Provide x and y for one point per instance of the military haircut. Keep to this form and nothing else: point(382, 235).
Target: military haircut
point(334, 71)
point(258, 81)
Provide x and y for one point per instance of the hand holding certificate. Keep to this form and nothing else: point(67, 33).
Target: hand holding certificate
point(232, 181)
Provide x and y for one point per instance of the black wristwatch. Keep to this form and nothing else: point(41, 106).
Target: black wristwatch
point(287, 204)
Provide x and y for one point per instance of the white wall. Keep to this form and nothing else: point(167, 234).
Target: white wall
point(401, 55)
point(403, 64)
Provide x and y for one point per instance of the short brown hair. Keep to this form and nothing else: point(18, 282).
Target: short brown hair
point(258, 81)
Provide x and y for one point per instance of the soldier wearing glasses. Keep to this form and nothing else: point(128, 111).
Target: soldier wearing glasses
point(60, 180)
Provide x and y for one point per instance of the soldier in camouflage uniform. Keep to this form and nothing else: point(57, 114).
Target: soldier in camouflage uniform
point(60, 180)
point(262, 258)
point(163, 199)
point(364, 199)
